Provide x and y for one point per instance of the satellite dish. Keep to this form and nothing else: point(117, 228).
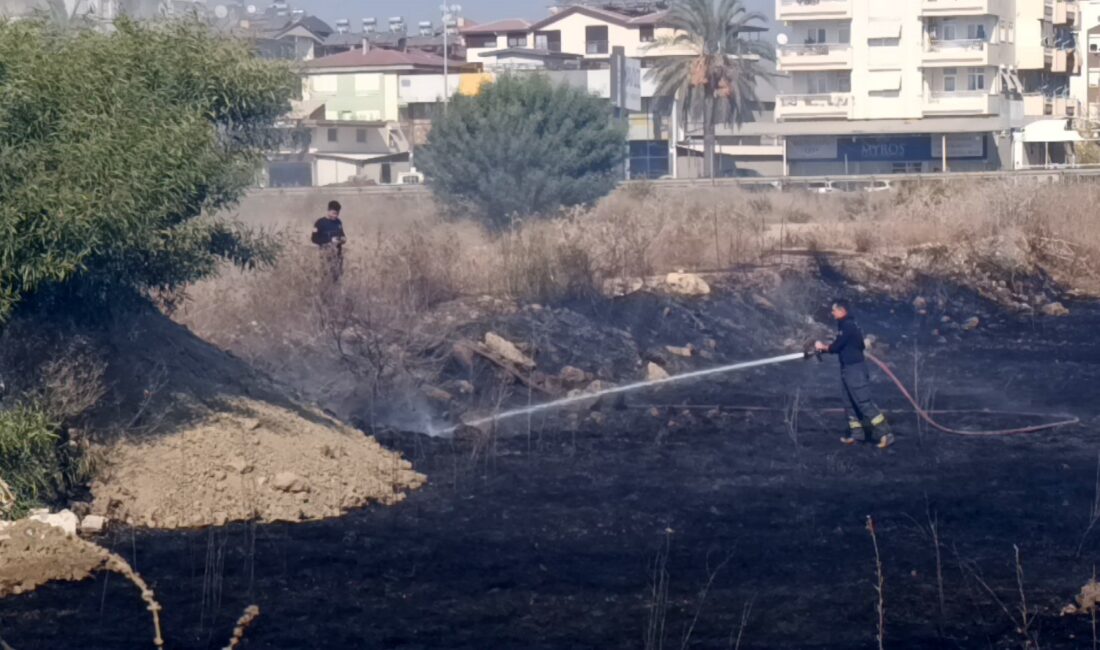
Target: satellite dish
point(220, 11)
point(251, 9)
point(781, 39)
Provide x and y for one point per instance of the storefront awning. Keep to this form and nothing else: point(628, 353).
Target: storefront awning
point(1051, 131)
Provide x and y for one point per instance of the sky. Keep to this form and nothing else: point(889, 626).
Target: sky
point(416, 10)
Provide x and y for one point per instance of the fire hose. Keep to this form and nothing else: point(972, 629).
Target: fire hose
point(927, 417)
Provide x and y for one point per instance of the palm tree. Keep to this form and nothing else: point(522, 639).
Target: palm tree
point(715, 77)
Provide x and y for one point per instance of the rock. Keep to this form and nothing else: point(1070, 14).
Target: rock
point(250, 424)
point(65, 520)
point(686, 351)
point(869, 341)
point(1055, 309)
point(597, 418)
point(653, 372)
point(762, 302)
point(220, 518)
point(714, 414)
point(289, 482)
point(945, 319)
point(238, 465)
point(654, 412)
point(437, 394)
point(711, 344)
point(80, 508)
point(687, 284)
point(508, 351)
point(572, 377)
point(598, 386)
point(93, 524)
point(462, 353)
point(920, 302)
point(972, 323)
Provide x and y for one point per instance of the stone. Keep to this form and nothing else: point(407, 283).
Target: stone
point(687, 284)
point(597, 418)
point(437, 394)
point(220, 518)
point(920, 302)
point(762, 302)
point(238, 465)
point(289, 482)
point(1055, 309)
point(972, 323)
point(464, 387)
point(598, 386)
point(711, 344)
point(685, 351)
point(250, 424)
point(654, 412)
point(572, 376)
point(93, 524)
point(507, 350)
point(65, 520)
point(654, 372)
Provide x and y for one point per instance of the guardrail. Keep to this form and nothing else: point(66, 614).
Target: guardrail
point(1044, 174)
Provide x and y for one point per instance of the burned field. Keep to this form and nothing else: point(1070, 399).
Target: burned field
point(719, 514)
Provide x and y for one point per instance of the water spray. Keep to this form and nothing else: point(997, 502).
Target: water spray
point(566, 401)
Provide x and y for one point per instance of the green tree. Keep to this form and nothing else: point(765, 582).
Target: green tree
point(716, 76)
point(113, 147)
point(521, 147)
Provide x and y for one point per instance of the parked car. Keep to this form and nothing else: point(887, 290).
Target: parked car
point(822, 187)
point(879, 186)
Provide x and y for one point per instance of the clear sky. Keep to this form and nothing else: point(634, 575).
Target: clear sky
point(417, 10)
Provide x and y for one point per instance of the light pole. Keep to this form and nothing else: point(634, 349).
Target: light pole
point(450, 14)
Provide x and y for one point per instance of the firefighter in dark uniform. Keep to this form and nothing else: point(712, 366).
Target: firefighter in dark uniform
point(328, 234)
point(865, 420)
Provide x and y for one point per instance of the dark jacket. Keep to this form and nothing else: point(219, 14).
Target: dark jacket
point(848, 345)
point(325, 230)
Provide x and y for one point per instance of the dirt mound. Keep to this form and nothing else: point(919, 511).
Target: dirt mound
point(33, 553)
point(256, 461)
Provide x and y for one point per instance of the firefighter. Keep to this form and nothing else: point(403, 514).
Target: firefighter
point(865, 420)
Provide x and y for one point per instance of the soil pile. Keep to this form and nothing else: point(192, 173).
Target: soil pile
point(33, 553)
point(256, 462)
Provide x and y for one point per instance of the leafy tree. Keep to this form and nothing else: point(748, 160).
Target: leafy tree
point(113, 147)
point(717, 78)
point(522, 146)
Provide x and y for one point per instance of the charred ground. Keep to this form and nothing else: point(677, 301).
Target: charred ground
point(556, 533)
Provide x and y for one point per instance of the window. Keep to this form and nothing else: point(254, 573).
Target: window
point(648, 158)
point(366, 84)
point(975, 32)
point(387, 174)
point(845, 35)
point(844, 82)
point(595, 38)
point(325, 83)
point(975, 79)
point(950, 76)
point(645, 34)
point(481, 41)
point(334, 135)
point(360, 135)
point(949, 32)
point(815, 35)
point(517, 39)
point(548, 41)
point(884, 42)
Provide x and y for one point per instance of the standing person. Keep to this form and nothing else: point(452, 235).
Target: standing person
point(328, 234)
point(862, 412)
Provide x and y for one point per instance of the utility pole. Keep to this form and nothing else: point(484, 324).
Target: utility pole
point(450, 14)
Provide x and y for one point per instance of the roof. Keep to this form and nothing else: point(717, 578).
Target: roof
point(649, 19)
point(380, 58)
point(594, 12)
point(312, 24)
point(1057, 130)
point(531, 53)
point(881, 127)
point(497, 26)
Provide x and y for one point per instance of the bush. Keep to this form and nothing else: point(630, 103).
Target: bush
point(30, 461)
point(522, 147)
point(108, 163)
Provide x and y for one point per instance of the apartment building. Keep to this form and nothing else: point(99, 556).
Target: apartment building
point(926, 85)
point(1085, 87)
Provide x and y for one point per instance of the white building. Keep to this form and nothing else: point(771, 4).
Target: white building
point(926, 85)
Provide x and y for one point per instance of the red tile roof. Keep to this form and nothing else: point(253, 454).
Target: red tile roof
point(380, 58)
point(497, 26)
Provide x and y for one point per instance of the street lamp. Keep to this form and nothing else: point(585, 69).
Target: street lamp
point(450, 15)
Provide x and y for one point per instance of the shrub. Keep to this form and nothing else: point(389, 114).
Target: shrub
point(521, 147)
point(30, 461)
point(108, 164)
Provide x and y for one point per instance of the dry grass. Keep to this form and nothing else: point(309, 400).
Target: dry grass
point(374, 328)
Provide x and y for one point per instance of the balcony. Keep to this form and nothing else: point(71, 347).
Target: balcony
point(813, 10)
point(962, 103)
point(964, 52)
point(809, 107)
point(933, 8)
point(817, 56)
point(1066, 13)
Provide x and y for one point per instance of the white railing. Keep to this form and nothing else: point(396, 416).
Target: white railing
point(823, 100)
point(813, 49)
point(968, 44)
point(947, 95)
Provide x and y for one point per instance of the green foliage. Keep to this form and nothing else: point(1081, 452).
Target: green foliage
point(717, 82)
point(113, 146)
point(522, 147)
point(30, 461)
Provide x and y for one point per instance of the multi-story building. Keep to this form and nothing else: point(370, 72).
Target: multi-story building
point(925, 85)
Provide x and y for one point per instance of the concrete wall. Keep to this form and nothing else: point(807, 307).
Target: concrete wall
point(356, 96)
point(366, 210)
